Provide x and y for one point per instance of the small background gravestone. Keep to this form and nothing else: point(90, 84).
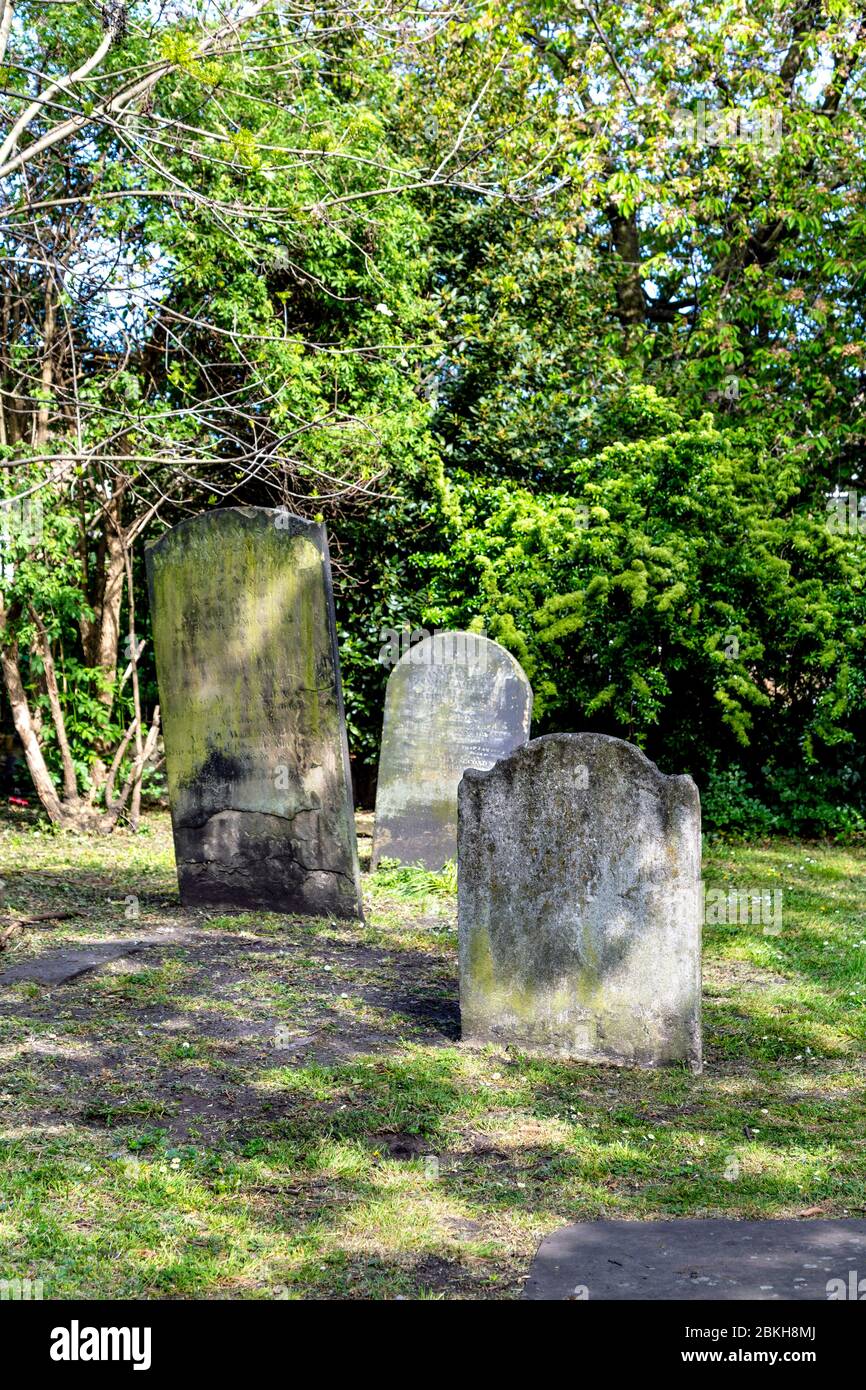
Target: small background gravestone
point(579, 904)
point(255, 738)
point(454, 700)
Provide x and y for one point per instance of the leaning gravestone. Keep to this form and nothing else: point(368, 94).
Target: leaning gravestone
point(579, 904)
point(255, 739)
point(454, 700)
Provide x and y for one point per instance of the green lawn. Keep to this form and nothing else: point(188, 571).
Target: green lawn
point(262, 1107)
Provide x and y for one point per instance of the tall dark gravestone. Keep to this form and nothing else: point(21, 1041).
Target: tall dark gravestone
point(255, 738)
point(455, 700)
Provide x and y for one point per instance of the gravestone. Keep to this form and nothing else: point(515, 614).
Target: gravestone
point(252, 707)
point(579, 904)
point(454, 700)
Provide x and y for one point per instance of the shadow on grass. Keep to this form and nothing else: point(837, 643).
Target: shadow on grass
point(159, 1143)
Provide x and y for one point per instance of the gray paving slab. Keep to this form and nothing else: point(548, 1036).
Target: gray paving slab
point(56, 967)
point(693, 1260)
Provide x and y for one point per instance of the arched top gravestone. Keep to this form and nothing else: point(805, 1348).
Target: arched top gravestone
point(455, 700)
point(255, 739)
point(579, 904)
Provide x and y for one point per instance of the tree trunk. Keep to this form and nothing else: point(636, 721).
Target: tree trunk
point(46, 380)
point(70, 781)
point(100, 636)
point(630, 300)
point(42, 780)
point(135, 807)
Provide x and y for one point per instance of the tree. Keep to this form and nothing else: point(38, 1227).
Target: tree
point(212, 290)
point(703, 236)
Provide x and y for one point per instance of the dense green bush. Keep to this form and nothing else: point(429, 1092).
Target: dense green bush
point(684, 592)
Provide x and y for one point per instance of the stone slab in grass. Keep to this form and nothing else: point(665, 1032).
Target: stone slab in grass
point(56, 967)
point(694, 1260)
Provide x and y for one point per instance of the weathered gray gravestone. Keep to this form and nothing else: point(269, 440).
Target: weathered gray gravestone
point(255, 739)
point(454, 700)
point(579, 904)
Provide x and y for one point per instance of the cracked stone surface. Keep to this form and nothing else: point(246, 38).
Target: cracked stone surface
point(695, 1260)
point(255, 737)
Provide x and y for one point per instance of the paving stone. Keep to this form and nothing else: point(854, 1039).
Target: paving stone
point(695, 1260)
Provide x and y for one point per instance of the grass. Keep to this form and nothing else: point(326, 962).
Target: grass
point(266, 1107)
